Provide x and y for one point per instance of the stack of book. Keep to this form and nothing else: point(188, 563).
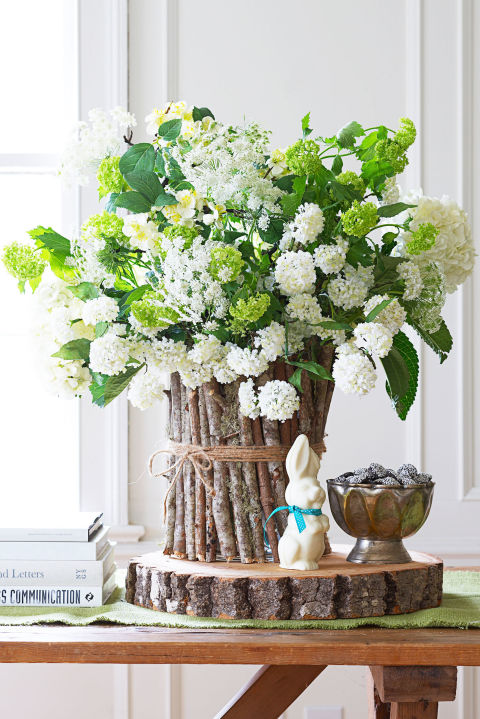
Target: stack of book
point(50, 562)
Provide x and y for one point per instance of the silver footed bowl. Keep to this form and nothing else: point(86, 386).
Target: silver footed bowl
point(379, 517)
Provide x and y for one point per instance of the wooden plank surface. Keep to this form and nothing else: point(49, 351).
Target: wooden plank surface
point(270, 691)
point(415, 683)
point(153, 645)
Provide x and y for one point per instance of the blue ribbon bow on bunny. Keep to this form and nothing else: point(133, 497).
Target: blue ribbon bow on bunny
point(297, 512)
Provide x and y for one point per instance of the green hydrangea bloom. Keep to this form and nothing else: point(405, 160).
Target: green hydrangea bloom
point(105, 225)
point(109, 176)
point(406, 134)
point(151, 313)
point(188, 234)
point(393, 153)
point(360, 218)
point(351, 178)
point(226, 263)
point(423, 239)
point(303, 157)
point(22, 261)
point(247, 311)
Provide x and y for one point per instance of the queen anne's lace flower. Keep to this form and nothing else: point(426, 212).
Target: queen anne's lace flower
point(109, 354)
point(410, 274)
point(278, 400)
point(248, 400)
point(392, 316)
point(331, 258)
point(100, 309)
point(145, 389)
point(295, 272)
point(374, 338)
point(426, 309)
point(354, 373)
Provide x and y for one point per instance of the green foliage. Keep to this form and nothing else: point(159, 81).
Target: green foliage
point(146, 183)
point(133, 201)
point(401, 367)
point(104, 388)
point(164, 198)
point(54, 249)
point(74, 350)
point(394, 209)
point(305, 125)
point(441, 341)
point(170, 130)
point(85, 291)
point(314, 370)
point(140, 157)
point(346, 136)
point(199, 113)
point(376, 310)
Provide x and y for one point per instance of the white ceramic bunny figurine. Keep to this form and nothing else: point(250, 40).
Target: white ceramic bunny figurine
point(303, 550)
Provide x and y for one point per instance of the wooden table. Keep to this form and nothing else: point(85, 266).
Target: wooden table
point(410, 670)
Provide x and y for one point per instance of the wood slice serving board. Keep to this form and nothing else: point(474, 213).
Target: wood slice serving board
point(338, 589)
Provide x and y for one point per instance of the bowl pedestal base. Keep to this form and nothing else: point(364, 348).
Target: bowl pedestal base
point(374, 551)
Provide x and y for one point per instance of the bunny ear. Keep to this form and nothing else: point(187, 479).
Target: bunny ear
point(298, 457)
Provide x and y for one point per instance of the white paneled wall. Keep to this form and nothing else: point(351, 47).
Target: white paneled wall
point(372, 61)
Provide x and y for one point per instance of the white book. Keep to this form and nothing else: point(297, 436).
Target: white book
point(90, 550)
point(50, 572)
point(57, 596)
point(73, 527)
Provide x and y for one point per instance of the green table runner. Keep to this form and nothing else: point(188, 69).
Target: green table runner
point(460, 608)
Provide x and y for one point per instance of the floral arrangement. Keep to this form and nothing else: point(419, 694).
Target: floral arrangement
point(232, 255)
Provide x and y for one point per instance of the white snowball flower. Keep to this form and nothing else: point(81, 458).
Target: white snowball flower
point(453, 249)
point(99, 309)
point(206, 349)
point(66, 379)
point(248, 399)
point(247, 362)
point(350, 290)
point(278, 400)
point(410, 274)
point(145, 389)
point(392, 316)
point(141, 231)
point(295, 272)
point(331, 258)
point(109, 354)
point(374, 338)
point(271, 340)
point(308, 223)
point(354, 373)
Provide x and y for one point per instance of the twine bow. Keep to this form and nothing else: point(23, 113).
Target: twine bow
point(193, 453)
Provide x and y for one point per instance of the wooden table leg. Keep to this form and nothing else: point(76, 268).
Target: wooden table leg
point(270, 691)
point(410, 692)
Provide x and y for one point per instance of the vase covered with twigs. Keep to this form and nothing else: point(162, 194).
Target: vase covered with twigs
point(242, 283)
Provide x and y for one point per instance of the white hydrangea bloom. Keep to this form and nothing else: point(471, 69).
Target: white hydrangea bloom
point(351, 290)
point(453, 249)
point(248, 399)
point(162, 355)
point(92, 141)
point(247, 362)
point(145, 389)
point(295, 273)
point(410, 274)
point(143, 234)
point(308, 223)
point(66, 379)
point(331, 258)
point(109, 354)
point(392, 316)
point(374, 338)
point(193, 374)
point(206, 350)
point(353, 372)
point(304, 307)
point(99, 309)
point(391, 191)
point(271, 340)
point(278, 400)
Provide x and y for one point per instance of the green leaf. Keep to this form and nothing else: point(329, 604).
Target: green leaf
point(74, 350)
point(290, 203)
point(359, 253)
point(337, 165)
point(110, 205)
point(101, 328)
point(440, 341)
point(315, 370)
point(104, 388)
point(385, 272)
point(299, 185)
point(401, 368)
point(133, 295)
point(170, 130)
point(345, 192)
point(85, 291)
point(34, 282)
point(306, 131)
point(133, 201)
point(285, 183)
point(273, 233)
point(296, 379)
point(394, 209)
point(52, 241)
point(147, 183)
point(376, 310)
point(139, 157)
point(164, 198)
point(346, 136)
point(198, 113)
point(333, 325)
